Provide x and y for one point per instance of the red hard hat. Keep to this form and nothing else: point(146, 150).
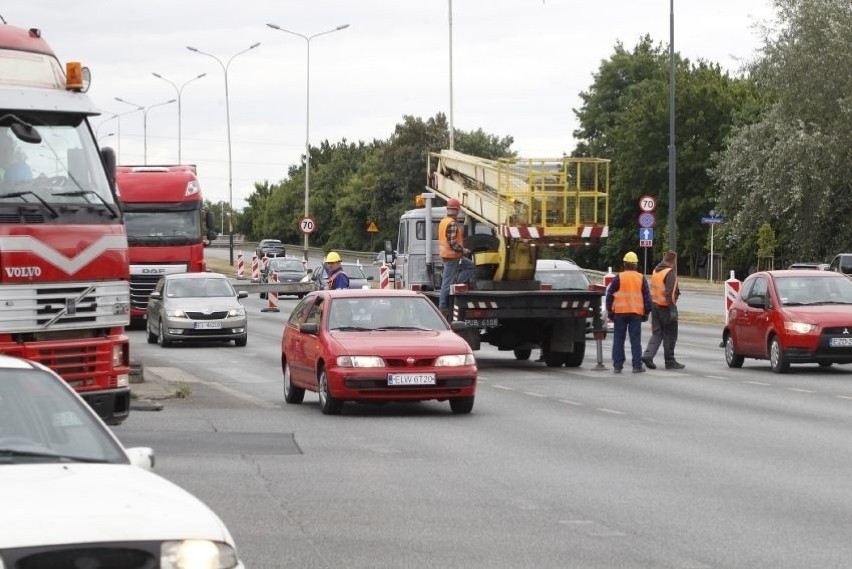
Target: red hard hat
point(453, 203)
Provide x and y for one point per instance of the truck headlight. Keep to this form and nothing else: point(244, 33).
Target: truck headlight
point(197, 554)
point(118, 355)
point(455, 360)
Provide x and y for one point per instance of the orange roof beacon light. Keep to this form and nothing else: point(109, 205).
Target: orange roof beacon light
point(77, 77)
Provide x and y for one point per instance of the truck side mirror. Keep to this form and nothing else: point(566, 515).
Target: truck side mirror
point(209, 220)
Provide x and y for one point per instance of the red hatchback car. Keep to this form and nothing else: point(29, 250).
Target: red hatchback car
point(374, 345)
point(793, 316)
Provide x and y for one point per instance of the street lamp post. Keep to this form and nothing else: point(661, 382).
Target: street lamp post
point(452, 137)
point(138, 108)
point(307, 114)
point(672, 149)
point(145, 125)
point(228, 121)
point(179, 91)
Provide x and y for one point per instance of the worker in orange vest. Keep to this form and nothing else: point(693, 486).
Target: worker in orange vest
point(456, 267)
point(628, 304)
point(337, 278)
point(664, 294)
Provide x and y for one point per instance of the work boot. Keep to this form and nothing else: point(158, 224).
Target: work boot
point(649, 363)
point(674, 365)
point(639, 369)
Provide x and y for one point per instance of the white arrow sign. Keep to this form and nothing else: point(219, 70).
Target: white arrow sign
point(646, 233)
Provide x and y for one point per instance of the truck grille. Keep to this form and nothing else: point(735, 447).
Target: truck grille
point(141, 287)
point(84, 365)
point(38, 307)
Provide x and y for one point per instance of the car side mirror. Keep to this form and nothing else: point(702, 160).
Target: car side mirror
point(156, 295)
point(370, 277)
point(309, 328)
point(458, 325)
point(242, 294)
point(757, 302)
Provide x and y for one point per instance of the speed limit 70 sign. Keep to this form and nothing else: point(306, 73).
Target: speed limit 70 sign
point(307, 225)
point(648, 203)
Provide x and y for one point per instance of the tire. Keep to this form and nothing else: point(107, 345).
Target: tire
point(328, 404)
point(554, 359)
point(733, 359)
point(461, 405)
point(262, 295)
point(292, 394)
point(776, 356)
point(522, 355)
point(825, 364)
point(152, 338)
point(161, 337)
point(575, 358)
point(241, 342)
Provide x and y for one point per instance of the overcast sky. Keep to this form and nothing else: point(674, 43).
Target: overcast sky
point(518, 68)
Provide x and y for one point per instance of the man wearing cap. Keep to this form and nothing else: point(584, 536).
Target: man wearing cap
point(628, 304)
point(664, 294)
point(457, 268)
point(336, 277)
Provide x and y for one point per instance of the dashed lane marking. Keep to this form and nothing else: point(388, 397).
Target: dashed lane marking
point(504, 388)
point(533, 394)
point(757, 383)
point(799, 390)
point(611, 411)
point(844, 397)
point(569, 402)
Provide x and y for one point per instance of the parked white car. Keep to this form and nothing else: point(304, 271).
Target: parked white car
point(73, 496)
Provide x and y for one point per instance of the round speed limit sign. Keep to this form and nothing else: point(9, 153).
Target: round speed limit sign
point(307, 225)
point(647, 203)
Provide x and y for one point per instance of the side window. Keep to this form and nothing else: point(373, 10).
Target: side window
point(835, 265)
point(315, 314)
point(297, 313)
point(846, 264)
point(759, 289)
point(745, 290)
point(402, 240)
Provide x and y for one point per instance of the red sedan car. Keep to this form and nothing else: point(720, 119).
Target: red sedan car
point(374, 345)
point(793, 316)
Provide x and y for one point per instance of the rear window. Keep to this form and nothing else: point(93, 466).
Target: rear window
point(564, 279)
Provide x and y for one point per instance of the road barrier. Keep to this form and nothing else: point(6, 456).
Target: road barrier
point(255, 268)
point(272, 296)
point(732, 289)
point(241, 270)
point(384, 276)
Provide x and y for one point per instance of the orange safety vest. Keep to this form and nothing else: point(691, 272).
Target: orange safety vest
point(658, 287)
point(447, 252)
point(628, 298)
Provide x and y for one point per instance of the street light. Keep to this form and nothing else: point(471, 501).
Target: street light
point(452, 136)
point(672, 149)
point(145, 124)
point(138, 108)
point(179, 91)
point(228, 120)
point(307, 113)
point(102, 123)
point(107, 135)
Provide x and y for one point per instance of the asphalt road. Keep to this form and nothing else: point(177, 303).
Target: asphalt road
point(703, 468)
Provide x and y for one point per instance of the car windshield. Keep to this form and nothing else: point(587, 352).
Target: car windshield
point(794, 291)
point(41, 421)
point(384, 313)
point(564, 280)
point(270, 243)
point(194, 288)
point(290, 266)
point(353, 271)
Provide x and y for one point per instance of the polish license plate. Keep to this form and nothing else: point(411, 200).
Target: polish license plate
point(481, 322)
point(411, 379)
point(840, 342)
point(208, 325)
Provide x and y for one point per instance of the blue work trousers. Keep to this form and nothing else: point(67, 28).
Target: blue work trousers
point(627, 324)
point(455, 271)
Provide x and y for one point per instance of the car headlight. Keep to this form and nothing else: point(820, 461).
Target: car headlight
point(237, 312)
point(455, 360)
point(799, 327)
point(360, 361)
point(177, 313)
point(197, 554)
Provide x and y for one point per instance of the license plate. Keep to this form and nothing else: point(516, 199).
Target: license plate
point(208, 325)
point(411, 379)
point(481, 322)
point(840, 342)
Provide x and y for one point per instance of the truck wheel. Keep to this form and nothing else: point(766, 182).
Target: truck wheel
point(522, 355)
point(575, 358)
point(461, 405)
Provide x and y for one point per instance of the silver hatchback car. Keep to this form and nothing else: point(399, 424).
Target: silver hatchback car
point(196, 307)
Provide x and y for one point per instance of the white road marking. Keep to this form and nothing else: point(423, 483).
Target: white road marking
point(504, 388)
point(569, 402)
point(533, 394)
point(715, 377)
point(844, 397)
point(757, 383)
point(612, 411)
point(796, 389)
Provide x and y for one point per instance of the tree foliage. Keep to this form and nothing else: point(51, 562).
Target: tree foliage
point(792, 169)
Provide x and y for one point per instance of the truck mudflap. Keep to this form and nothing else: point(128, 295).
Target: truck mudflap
point(111, 405)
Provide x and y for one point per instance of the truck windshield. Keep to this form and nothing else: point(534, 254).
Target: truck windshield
point(63, 173)
point(168, 224)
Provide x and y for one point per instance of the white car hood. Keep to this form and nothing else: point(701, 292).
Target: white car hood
point(49, 504)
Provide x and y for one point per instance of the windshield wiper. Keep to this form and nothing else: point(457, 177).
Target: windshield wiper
point(351, 329)
point(86, 193)
point(404, 328)
point(10, 452)
point(23, 193)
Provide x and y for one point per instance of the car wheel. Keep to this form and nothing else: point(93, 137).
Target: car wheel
point(522, 355)
point(262, 295)
point(241, 342)
point(152, 338)
point(161, 336)
point(776, 356)
point(825, 364)
point(292, 394)
point(575, 358)
point(731, 356)
point(328, 404)
point(461, 405)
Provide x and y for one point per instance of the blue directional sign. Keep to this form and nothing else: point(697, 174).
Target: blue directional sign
point(712, 220)
point(646, 234)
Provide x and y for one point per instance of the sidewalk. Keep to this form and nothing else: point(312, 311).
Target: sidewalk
point(147, 389)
